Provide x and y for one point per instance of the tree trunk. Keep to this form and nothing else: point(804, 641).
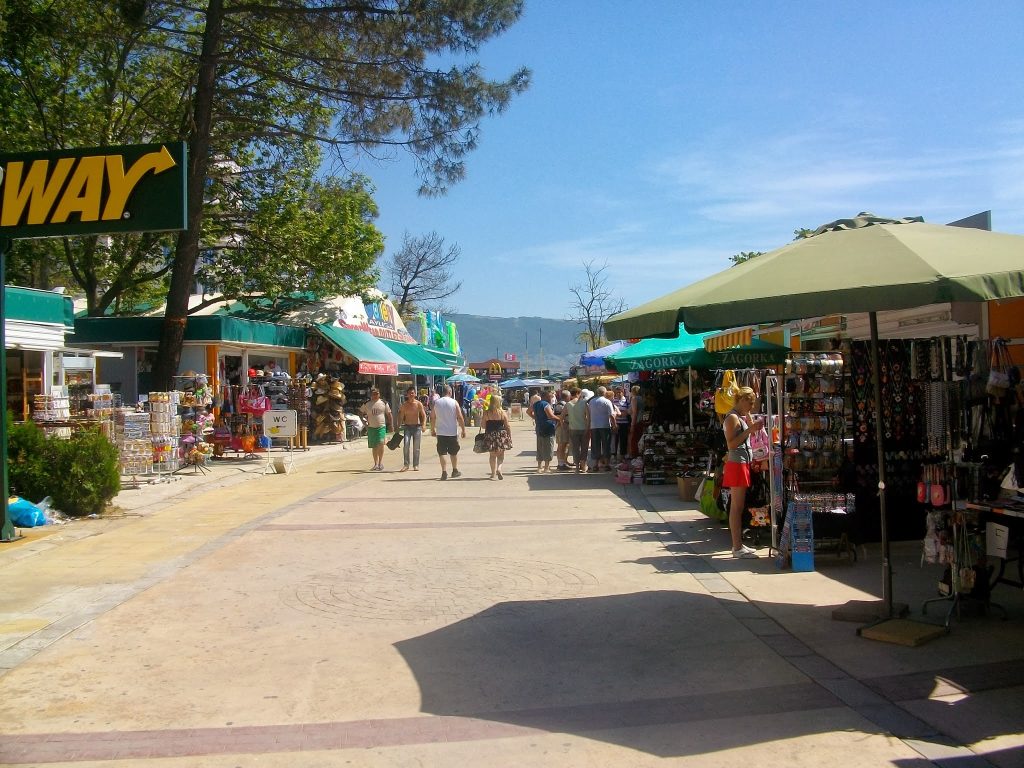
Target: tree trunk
point(186, 252)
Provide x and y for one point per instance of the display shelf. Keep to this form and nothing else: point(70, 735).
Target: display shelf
point(815, 415)
point(669, 453)
point(22, 389)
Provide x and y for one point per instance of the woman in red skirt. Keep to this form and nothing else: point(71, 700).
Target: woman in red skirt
point(738, 427)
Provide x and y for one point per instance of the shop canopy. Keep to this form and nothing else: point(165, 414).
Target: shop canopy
point(454, 361)
point(36, 306)
point(421, 362)
point(209, 329)
point(35, 319)
point(370, 352)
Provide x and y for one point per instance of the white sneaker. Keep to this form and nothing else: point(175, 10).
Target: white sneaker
point(744, 553)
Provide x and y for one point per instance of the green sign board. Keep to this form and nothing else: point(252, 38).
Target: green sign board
point(103, 190)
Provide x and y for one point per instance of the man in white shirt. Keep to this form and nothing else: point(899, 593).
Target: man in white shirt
point(446, 422)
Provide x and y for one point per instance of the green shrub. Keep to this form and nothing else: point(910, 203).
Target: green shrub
point(88, 473)
point(81, 475)
point(30, 461)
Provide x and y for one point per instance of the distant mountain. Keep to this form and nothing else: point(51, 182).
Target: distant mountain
point(530, 339)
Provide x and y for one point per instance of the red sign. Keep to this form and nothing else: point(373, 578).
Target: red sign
point(510, 357)
point(379, 369)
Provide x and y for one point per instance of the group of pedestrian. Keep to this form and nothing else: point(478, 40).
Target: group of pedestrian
point(572, 423)
point(569, 423)
point(447, 424)
point(579, 423)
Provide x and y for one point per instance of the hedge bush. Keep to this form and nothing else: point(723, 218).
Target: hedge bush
point(30, 469)
point(81, 475)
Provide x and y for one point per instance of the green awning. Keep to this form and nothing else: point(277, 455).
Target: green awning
point(36, 306)
point(421, 362)
point(371, 353)
point(209, 329)
point(453, 360)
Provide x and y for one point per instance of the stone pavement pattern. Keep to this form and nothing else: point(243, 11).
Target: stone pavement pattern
point(336, 617)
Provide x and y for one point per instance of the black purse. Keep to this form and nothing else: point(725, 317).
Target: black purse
point(480, 443)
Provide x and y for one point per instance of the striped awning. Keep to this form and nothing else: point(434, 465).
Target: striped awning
point(730, 338)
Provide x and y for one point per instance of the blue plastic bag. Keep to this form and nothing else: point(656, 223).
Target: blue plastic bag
point(24, 514)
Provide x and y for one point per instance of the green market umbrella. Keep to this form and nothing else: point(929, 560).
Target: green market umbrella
point(687, 351)
point(657, 354)
point(864, 264)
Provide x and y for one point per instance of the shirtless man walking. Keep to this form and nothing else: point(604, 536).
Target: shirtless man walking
point(413, 418)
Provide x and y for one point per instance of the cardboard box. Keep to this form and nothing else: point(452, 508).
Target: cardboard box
point(688, 487)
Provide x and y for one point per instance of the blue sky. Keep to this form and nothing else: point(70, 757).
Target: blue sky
point(663, 137)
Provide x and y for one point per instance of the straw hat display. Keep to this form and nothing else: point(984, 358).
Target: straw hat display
point(328, 409)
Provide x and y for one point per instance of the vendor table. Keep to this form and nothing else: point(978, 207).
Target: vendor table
point(1008, 513)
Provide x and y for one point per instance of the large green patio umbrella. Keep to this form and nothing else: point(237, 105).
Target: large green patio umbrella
point(864, 264)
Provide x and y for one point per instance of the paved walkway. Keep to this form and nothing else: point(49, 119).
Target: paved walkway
point(336, 617)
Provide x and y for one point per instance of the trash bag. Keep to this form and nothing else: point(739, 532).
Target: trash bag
point(24, 514)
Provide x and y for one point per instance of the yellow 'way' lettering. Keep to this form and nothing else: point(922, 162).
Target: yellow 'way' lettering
point(37, 191)
point(40, 190)
point(122, 184)
point(83, 193)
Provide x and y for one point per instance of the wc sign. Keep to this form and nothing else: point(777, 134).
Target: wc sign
point(104, 190)
point(280, 424)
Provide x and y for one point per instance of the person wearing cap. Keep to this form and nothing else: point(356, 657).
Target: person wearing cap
point(378, 421)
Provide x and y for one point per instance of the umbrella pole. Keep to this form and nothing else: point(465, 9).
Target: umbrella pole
point(876, 373)
point(689, 388)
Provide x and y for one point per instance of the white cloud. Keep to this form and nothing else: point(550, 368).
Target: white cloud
point(807, 179)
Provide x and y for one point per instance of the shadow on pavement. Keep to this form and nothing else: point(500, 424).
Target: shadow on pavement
point(603, 666)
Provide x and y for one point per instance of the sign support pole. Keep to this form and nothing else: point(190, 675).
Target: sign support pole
point(6, 527)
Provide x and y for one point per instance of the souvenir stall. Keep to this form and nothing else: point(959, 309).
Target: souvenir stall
point(816, 456)
point(217, 358)
point(343, 364)
point(222, 347)
point(678, 434)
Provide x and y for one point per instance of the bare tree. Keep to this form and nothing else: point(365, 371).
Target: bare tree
point(422, 274)
point(593, 302)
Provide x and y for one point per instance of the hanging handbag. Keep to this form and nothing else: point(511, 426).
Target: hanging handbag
point(999, 374)
point(480, 443)
point(759, 445)
point(725, 395)
point(253, 401)
point(937, 493)
point(924, 491)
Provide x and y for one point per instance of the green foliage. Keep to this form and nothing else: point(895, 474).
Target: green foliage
point(743, 256)
point(29, 467)
point(307, 235)
point(87, 473)
point(74, 75)
point(81, 474)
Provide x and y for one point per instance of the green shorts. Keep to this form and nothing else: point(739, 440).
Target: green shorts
point(375, 435)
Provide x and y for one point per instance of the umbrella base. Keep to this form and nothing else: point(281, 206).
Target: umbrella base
point(902, 632)
point(867, 611)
